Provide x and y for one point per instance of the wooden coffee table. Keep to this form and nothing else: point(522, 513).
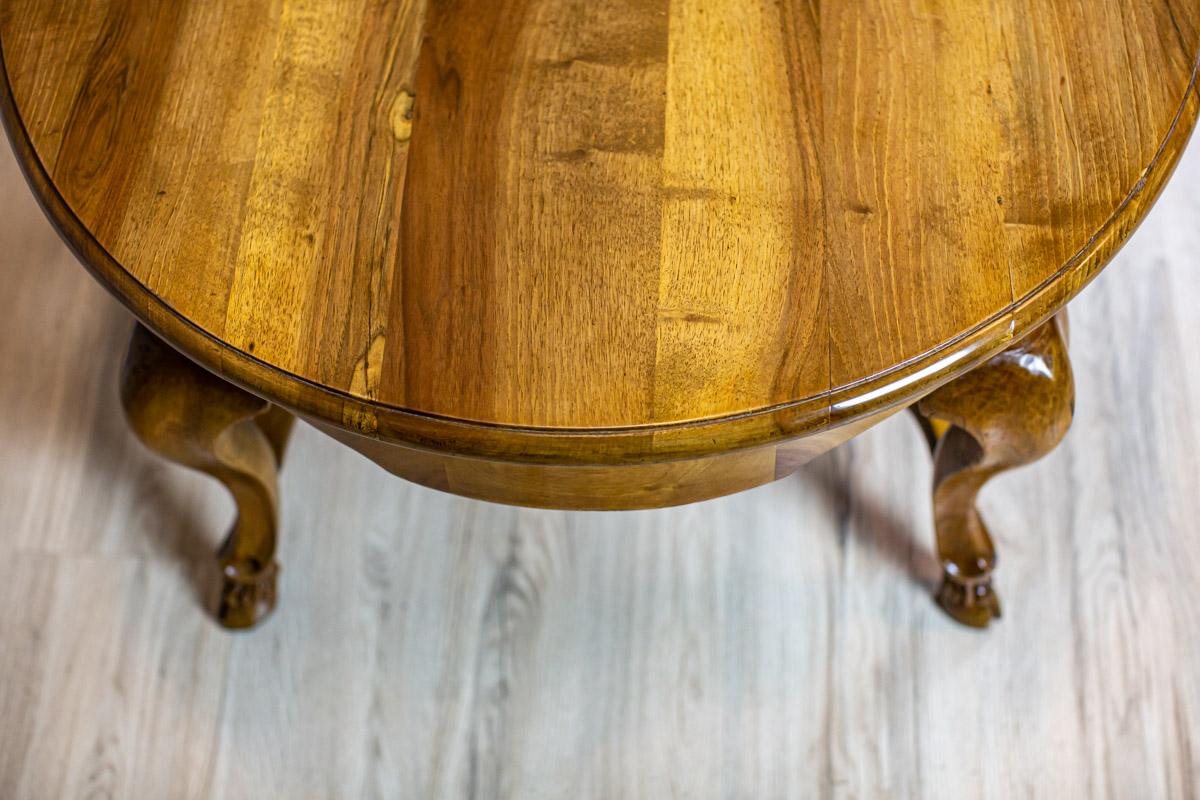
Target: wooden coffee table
point(597, 255)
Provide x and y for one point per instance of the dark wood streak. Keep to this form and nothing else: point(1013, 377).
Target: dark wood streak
point(465, 60)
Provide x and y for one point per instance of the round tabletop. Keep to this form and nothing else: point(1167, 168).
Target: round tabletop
point(596, 232)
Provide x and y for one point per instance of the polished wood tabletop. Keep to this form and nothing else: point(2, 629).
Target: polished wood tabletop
point(597, 232)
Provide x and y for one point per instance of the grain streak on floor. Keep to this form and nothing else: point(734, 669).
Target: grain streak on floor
point(776, 644)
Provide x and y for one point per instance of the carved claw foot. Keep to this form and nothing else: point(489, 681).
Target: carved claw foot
point(247, 594)
point(972, 602)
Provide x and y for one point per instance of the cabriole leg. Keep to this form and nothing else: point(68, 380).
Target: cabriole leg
point(1009, 411)
point(190, 416)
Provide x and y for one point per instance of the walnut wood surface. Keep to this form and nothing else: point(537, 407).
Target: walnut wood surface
point(661, 230)
point(190, 416)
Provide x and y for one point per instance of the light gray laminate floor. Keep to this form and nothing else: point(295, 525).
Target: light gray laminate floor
point(776, 644)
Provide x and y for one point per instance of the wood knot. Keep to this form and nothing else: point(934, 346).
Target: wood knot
point(400, 116)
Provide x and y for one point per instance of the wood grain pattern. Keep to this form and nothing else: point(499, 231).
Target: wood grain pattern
point(768, 645)
point(616, 232)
